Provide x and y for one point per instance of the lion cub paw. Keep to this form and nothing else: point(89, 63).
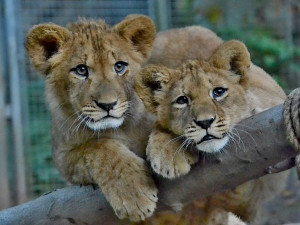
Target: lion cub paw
point(135, 196)
point(169, 163)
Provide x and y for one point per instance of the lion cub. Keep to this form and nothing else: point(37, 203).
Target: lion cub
point(198, 104)
point(96, 115)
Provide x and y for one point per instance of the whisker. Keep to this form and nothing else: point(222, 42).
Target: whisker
point(246, 132)
point(231, 138)
point(173, 140)
point(58, 107)
point(242, 125)
point(74, 122)
point(236, 135)
point(78, 125)
point(64, 123)
point(180, 147)
point(189, 142)
point(239, 140)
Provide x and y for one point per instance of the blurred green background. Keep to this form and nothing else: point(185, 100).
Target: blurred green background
point(270, 29)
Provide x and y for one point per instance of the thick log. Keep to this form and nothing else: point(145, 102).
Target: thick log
point(261, 148)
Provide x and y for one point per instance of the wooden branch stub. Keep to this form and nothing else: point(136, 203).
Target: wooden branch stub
point(262, 149)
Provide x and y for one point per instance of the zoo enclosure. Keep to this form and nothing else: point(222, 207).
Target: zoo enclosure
point(270, 29)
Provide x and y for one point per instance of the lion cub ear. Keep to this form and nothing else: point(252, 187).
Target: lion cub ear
point(42, 42)
point(151, 84)
point(232, 56)
point(140, 31)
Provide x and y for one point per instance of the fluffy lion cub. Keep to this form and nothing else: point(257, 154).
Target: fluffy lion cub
point(198, 104)
point(89, 68)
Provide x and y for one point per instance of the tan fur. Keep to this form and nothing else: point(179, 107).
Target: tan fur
point(88, 147)
point(160, 87)
point(229, 67)
point(173, 47)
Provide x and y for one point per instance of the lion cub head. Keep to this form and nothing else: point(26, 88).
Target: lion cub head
point(200, 100)
point(89, 67)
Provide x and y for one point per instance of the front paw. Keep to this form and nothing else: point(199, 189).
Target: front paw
point(169, 163)
point(134, 195)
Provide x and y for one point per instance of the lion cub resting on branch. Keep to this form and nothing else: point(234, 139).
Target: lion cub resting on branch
point(199, 104)
point(97, 117)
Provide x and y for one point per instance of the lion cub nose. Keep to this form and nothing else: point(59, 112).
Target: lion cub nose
point(205, 124)
point(106, 106)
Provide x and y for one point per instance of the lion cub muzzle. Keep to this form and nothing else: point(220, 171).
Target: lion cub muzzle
point(106, 106)
point(103, 115)
point(204, 124)
point(205, 134)
point(208, 129)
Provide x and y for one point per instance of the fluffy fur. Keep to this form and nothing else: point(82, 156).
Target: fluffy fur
point(207, 120)
point(188, 105)
point(89, 68)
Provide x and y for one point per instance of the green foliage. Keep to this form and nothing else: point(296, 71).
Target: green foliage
point(250, 24)
point(214, 15)
point(274, 55)
point(45, 175)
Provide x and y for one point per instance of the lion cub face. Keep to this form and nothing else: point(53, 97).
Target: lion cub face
point(200, 101)
point(89, 67)
point(99, 79)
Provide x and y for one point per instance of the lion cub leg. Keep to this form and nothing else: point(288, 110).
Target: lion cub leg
point(124, 179)
point(168, 155)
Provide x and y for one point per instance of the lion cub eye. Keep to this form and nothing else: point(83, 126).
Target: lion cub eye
point(218, 92)
point(81, 70)
point(120, 67)
point(181, 102)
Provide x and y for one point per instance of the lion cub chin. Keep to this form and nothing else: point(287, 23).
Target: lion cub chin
point(196, 104)
point(96, 115)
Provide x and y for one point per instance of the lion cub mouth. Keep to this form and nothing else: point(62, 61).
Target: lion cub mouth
point(207, 137)
point(104, 123)
point(212, 144)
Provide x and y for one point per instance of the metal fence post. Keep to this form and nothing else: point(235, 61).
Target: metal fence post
point(5, 200)
point(4, 181)
point(151, 9)
point(162, 14)
point(15, 97)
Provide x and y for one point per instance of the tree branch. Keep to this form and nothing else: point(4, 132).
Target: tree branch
point(263, 149)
